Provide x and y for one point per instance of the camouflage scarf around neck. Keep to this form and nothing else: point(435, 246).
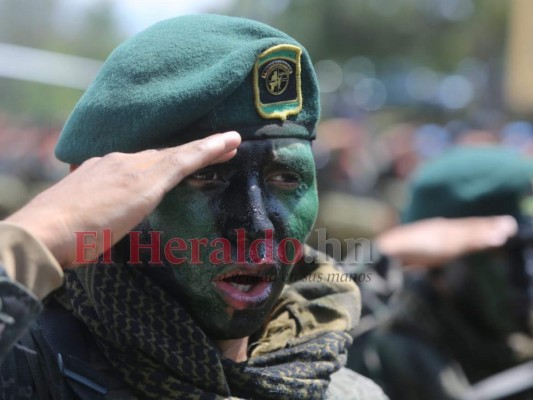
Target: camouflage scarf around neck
point(161, 353)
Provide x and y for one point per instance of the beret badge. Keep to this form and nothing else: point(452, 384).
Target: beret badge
point(277, 82)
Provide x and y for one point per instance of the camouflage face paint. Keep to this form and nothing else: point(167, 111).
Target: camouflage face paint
point(269, 186)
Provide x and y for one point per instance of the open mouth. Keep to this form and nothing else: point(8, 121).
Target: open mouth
point(244, 283)
point(245, 286)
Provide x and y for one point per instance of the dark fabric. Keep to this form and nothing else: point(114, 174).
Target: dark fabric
point(436, 321)
point(406, 367)
point(428, 350)
point(18, 308)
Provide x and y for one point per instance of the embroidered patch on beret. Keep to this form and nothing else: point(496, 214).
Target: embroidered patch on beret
point(277, 82)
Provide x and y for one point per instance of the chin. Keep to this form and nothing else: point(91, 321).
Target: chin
point(242, 324)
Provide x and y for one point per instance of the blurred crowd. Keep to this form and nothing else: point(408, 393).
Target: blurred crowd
point(27, 162)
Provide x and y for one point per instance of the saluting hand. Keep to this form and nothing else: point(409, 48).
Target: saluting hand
point(115, 192)
point(435, 241)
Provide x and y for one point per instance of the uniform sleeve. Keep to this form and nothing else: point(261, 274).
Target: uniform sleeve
point(28, 273)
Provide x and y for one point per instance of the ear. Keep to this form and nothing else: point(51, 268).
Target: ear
point(73, 167)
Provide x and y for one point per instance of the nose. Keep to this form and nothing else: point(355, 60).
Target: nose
point(247, 210)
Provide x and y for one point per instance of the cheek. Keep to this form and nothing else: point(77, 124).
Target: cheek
point(183, 214)
point(188, 215)
point(302, 213)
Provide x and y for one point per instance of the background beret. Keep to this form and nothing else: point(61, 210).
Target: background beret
point(470, 181)
point(180, 80)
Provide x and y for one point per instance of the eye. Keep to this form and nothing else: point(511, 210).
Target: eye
point(205, 177)
point(284, 180)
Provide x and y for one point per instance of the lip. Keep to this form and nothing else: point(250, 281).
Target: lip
point(258, 294)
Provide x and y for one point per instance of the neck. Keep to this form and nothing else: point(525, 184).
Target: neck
point(234, 349)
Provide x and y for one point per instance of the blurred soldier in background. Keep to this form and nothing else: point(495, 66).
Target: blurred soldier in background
point(462, 322)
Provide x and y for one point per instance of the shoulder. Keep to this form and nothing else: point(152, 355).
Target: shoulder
point(348, 385)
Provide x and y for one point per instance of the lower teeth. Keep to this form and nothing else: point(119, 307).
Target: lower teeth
point(242, 288)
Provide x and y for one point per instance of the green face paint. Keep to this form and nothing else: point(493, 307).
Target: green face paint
point(269, 186)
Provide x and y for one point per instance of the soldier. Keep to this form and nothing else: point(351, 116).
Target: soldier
point(469, 318)
point(179, 322)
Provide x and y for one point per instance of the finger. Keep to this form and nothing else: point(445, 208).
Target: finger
point(225, 157)
point(492, 232)
point(184, 160)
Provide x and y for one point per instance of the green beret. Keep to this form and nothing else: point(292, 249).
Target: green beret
point(187, 77)
point(470, 181)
